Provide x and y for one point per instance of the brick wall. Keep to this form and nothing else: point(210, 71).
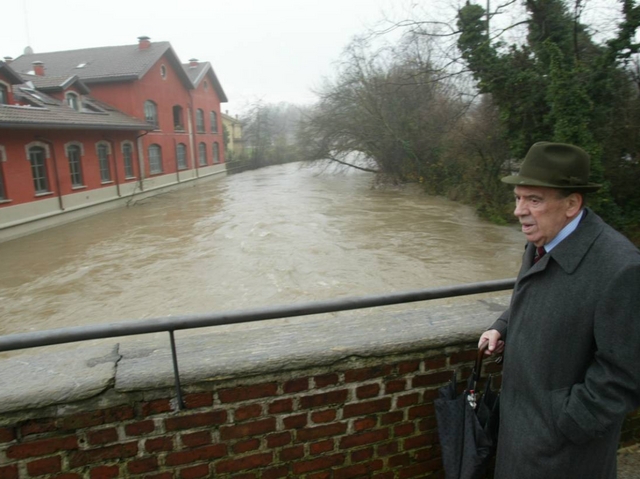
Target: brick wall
point(357, 418)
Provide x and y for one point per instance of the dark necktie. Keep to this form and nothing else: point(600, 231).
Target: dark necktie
point(540, 252)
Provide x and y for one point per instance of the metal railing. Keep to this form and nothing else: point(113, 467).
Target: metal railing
point(171, 324)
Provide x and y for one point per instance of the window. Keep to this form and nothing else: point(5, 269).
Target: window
point(37, 158)
point(103, 160)
point(73, 101)
point(206, 85)
point(202, 154)
point(181, 155)
point(155, 159)
point(4, 94)
point(178, 121)
point(163, 71)
point(200, 121)
point(127, 155)
point(214, 122)
point(216, 152)
point(151, 113)
point(3, 193)
point(75, 165)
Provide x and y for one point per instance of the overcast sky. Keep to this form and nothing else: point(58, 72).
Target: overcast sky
point(274, 50)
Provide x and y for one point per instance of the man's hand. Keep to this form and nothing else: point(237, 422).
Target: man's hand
point(496, 345)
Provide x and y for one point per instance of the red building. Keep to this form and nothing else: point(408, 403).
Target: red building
point(82, 131)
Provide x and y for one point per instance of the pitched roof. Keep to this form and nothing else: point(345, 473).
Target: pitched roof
point(103, 64)
point(48, 83)
point(47, 112)
point(196, 73)
point(9, 73)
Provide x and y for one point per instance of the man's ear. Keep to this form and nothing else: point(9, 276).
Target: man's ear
point(574, 202)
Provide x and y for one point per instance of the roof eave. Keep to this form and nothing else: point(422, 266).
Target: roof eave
point(62, 126)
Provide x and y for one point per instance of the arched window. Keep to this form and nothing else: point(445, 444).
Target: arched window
point(4, 94)
point(127, 156)
point(181, 156)
point(200, 121)
point(103, 161)
point(214, 122)
point(202, 154)
point(74, 154)
point(73, 101)
point(178, 120)
point(37, 158)
point(216, 152)
point(155, 159)
point(163, 71)
point(151, 113)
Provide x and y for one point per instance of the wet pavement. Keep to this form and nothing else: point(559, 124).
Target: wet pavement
point(629, 462)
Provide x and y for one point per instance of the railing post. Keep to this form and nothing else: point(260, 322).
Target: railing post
point(176, 372)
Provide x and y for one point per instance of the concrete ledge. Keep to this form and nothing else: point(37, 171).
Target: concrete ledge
point(29, 382)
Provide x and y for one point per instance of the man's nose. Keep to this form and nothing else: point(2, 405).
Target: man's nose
point(520, 208)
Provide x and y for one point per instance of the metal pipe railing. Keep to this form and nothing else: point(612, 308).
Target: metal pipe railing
point(171, 324)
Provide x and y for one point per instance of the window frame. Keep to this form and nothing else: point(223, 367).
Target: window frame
point(73, 100)
point(75, 165)
point(178, 118)
point(213, 117)
point(181, 156)
point(200, 125)
point(104, 165)
point(216, 152)
point(39, 172)
point(4, 94)
point(202, 154)
point(155, 161)
point(151, 113)
point(127, 160)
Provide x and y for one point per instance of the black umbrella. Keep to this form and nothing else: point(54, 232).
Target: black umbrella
point(467, 425)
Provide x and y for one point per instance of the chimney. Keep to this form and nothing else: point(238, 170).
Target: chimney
point(144, 43)
point(38, 68)
point(8, 60)
point(193, 62)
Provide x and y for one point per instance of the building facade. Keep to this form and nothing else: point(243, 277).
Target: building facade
point(87, 130)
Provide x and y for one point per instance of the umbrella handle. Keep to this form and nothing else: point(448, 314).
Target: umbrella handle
point(478, 366)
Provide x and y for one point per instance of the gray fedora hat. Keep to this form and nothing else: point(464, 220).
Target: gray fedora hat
point(554, 165)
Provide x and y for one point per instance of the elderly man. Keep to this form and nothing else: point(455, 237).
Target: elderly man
point(571, 335)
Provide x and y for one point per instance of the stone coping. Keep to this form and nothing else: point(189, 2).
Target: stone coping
point(57, 377)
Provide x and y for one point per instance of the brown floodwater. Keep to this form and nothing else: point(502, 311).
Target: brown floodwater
point(283, 234)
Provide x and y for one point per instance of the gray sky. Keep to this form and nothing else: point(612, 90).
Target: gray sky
point(274, 50)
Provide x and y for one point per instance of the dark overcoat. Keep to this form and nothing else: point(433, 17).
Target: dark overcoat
point(572, 357)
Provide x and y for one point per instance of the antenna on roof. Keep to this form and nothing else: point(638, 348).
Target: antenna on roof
point(28, 50)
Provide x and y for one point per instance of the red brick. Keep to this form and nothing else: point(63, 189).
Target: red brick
point(324, 399)
point(276, 472)
point(321, 447)
point(388, 449)
point(278, 439)
point(68, 475)
point(364, 408)
point(295, 422)
point(357, 470)
point(436, 363)
point(118, 414)
point(408, 400)
point(196, 439)
point(368, 391)
point(324, 462)
point(195, 455)
point(363, 374)
point(196, 400)
point(78, 421)
point(327, 415)
point(156, 444)
point(48, 465)
point(36, 426)
point(156, 406)
point(463, 356)
point(139, 428)
point(202, 419)
point(422, 440)
point(392, 417)
point(245, 393)
point(365, 423)
point(248, 412)
point(400, 460)
point(291, 453)
point(431, 379)
point(9, 472)
point(296, 385)
point(246, 475)
point(162, 475)
point(102, 436)
point(425, 410)
point(385, 475)
point(362, 454)
point(309, 434)
point(142, 465)
point(320, 475)
point(325, 380)
point(42, 447)
point(283, 405)
point(404, 429)
point(254, 428)
point(117, 451)
point(370, 437)
point(430, 395)
point(195, 472)
point(417, 470)
point(395, 386)
point(408, 367)
point(246, 446)
point(105, 472)
point(247, 462)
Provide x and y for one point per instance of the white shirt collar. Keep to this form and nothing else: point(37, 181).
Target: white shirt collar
point(564, 232)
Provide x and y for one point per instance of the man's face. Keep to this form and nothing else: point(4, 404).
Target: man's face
point(543, 212)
